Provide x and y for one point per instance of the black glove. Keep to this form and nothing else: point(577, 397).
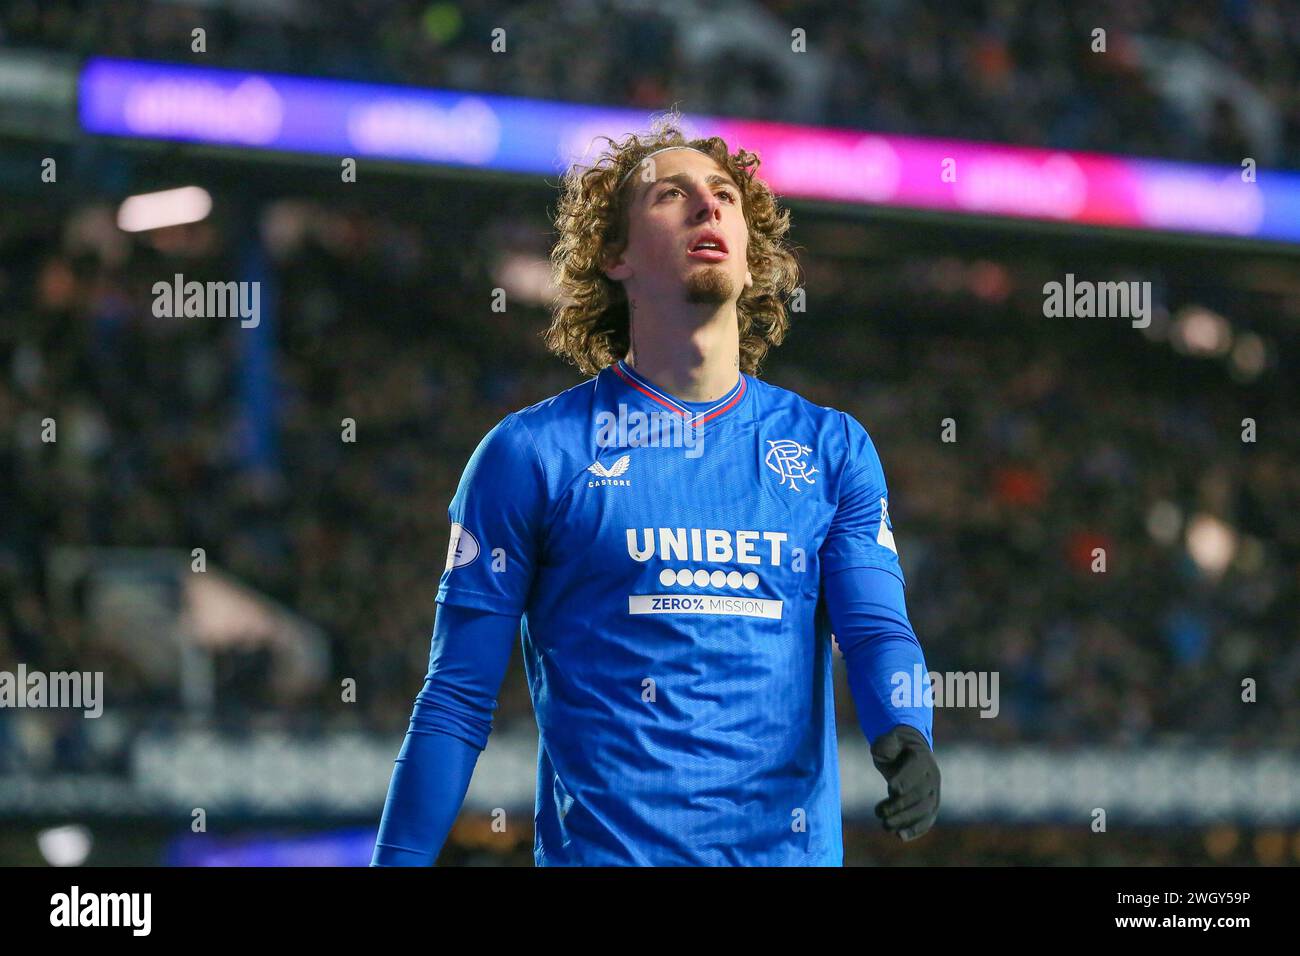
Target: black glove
point(905, 760)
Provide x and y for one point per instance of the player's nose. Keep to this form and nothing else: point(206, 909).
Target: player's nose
point(710, 207)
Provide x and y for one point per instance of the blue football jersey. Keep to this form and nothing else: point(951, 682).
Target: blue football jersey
point(666, 558)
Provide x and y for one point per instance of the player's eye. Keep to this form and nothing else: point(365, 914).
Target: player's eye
point(727, 194)
point(669, 191)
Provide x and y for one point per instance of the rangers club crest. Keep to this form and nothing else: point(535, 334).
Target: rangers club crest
point(785, 457)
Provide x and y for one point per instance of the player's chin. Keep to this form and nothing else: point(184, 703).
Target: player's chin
point(710, 285)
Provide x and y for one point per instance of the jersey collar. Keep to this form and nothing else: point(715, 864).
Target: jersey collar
point(733, 400)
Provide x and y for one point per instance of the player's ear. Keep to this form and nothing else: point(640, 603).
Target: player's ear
point(749, 280)
point(614, 265)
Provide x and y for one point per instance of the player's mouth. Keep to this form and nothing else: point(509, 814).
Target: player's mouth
point(707, 246)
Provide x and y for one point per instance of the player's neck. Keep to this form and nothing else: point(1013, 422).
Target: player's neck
point(693, 357)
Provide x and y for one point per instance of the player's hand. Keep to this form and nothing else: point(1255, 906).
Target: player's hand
point(905, 760)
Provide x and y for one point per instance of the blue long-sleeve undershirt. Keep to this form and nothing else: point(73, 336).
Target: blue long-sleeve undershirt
point(869, 620)
point(467, 663)
point(449, 728)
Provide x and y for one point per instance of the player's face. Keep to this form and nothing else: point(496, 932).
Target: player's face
point(687, 237)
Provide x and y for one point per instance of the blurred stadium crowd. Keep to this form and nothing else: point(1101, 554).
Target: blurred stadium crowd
point(1071, 435)
point(1216, 81)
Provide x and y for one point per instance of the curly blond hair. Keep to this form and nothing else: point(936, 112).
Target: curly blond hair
point(589, 324)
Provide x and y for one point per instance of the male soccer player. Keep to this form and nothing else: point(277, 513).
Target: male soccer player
point(680, 539)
